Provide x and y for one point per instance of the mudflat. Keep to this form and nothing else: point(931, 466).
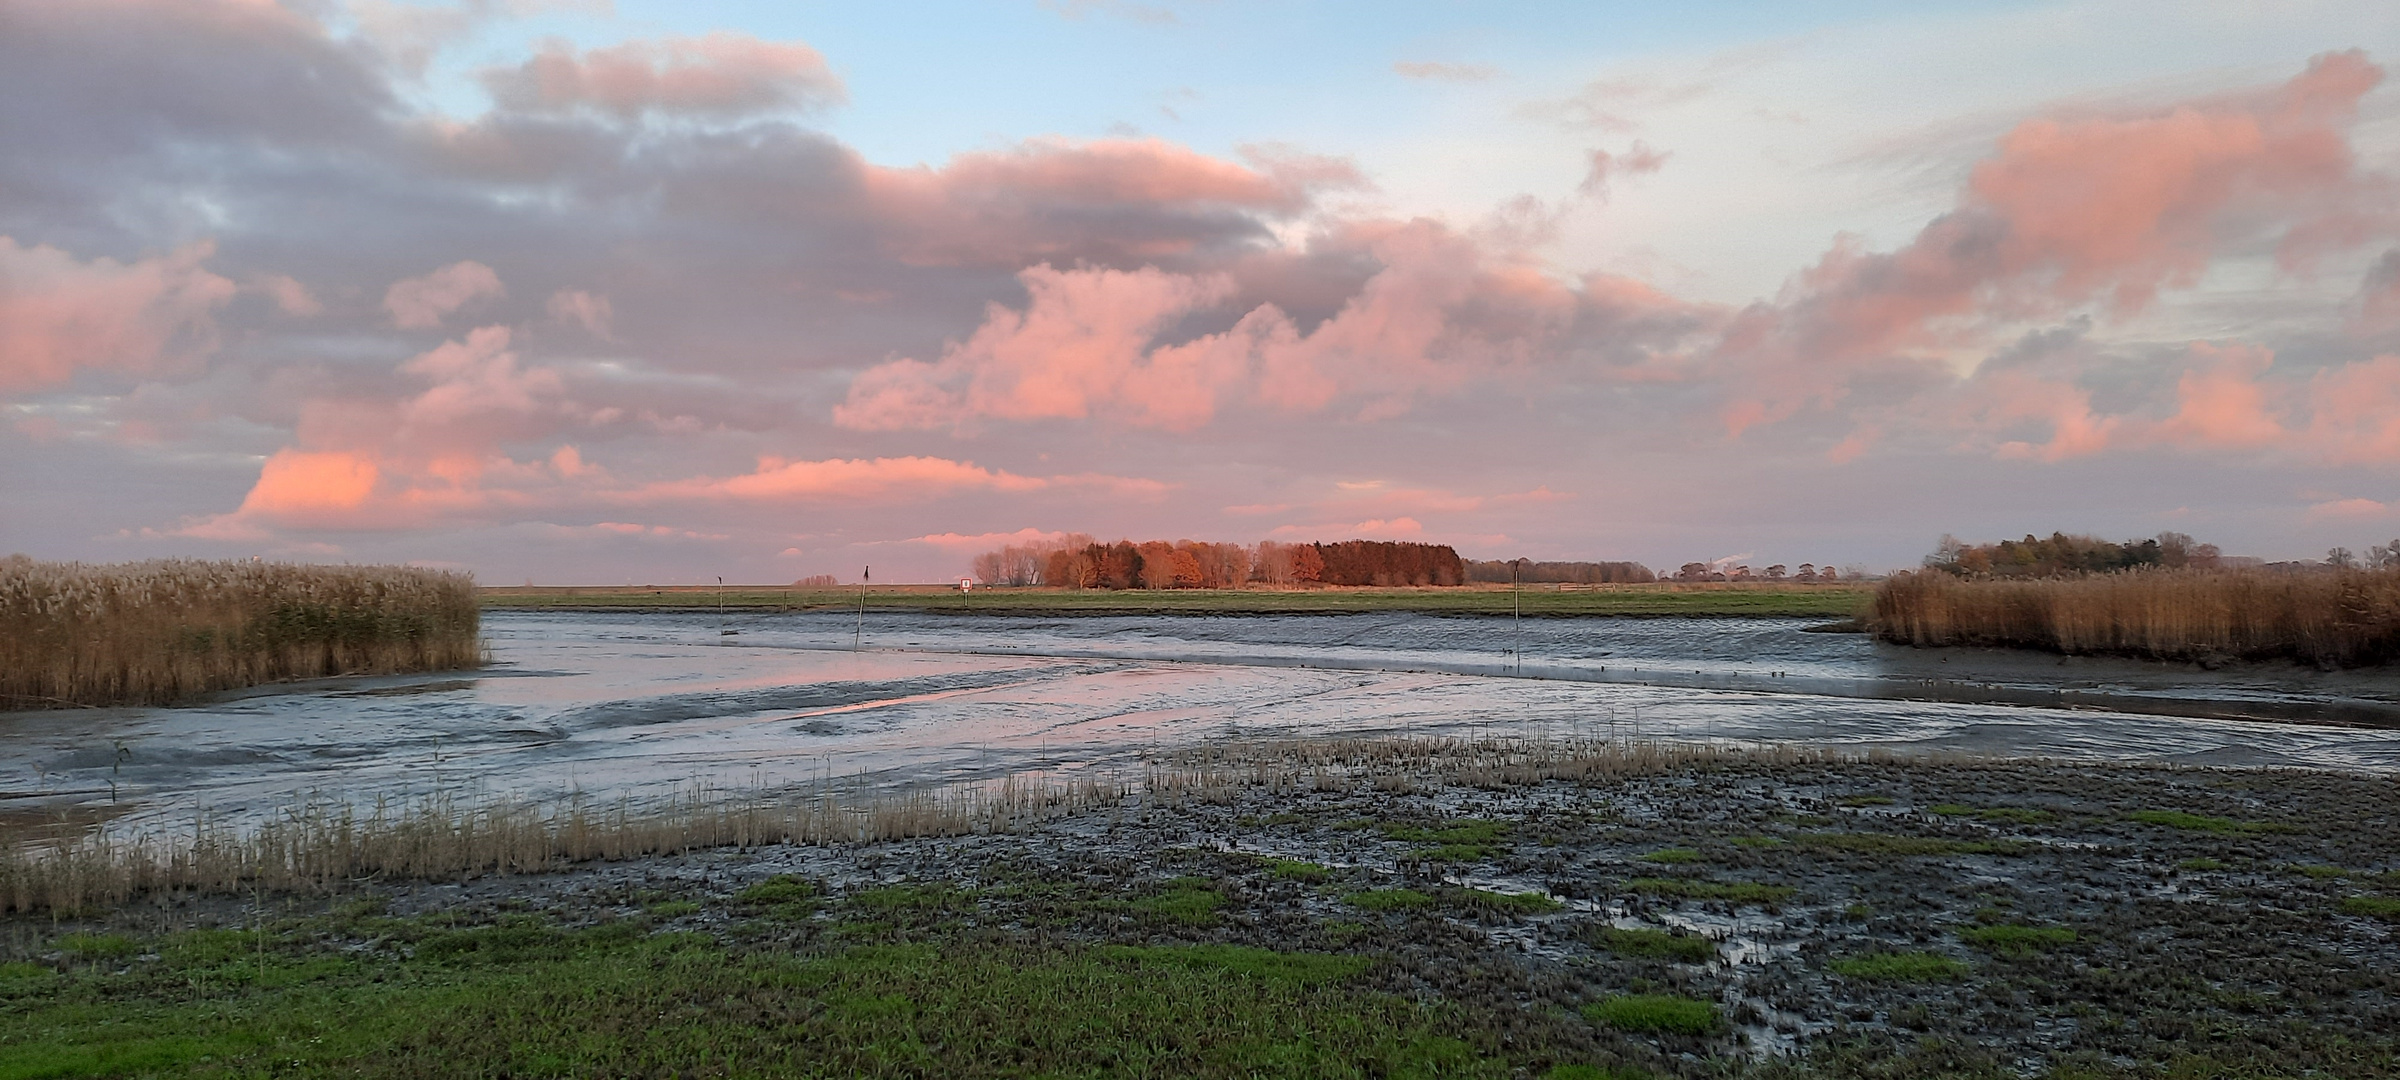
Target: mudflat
point(1372, 909)
point(1827, 601)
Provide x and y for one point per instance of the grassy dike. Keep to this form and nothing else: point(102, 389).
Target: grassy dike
point(1390, 910)
point(1635, 601)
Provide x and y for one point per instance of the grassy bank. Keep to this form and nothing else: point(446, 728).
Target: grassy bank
point(160, 632)
point(1702, 600)
point(1300, 909)
point(2330, 618)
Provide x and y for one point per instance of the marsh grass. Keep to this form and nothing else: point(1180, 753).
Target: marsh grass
point(2329, 618)
point(2190, 822)
point(2374, 907)
point(1736, 892)
point(160, 632)
point(1654, 1013)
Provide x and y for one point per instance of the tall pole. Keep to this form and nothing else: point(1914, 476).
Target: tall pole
point(1516, 649)
point(864, 577)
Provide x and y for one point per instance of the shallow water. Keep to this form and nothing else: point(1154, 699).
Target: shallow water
point(617, 704)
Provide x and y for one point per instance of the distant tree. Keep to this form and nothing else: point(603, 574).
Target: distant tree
point(2340, 558)
point(1808, 572)
point(1776, 572)
point(1692, 571)
point(1308, 564)
point(816, 581)
point(1827, 573)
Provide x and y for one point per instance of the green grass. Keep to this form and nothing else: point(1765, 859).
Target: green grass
point(1304, 969)
point(1739, 892)
point(1466, 840)
point(1899, 967)
point(1648, 1013)
point(1187, 901)
point(2376, 907)
point(1892, 844)
point(1387, 899)
point(1672, 856)
point(2189, 822)
point(2017, 939)
point(1814, 602)
point(1654, 944)
point(1503, 903)
point(1296, 870)
point(540, 1000)
point(1759, 841)
point(98, 946)
point(2012, 815)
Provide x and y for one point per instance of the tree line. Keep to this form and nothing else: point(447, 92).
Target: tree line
point(2062, 555)
point(1077, 561)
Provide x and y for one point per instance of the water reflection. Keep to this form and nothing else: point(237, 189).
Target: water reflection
point(609, 705)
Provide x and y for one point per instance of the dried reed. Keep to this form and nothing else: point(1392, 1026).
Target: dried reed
point(159, 632)
point(2329, 618)
point(323, 845)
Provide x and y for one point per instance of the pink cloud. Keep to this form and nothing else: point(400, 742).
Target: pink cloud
point(2347, 510)
point(2355, 411)
point(1438, 313)
point(592, 312)
point(720, 74)
point(59, 314)
point(2068, 214)
point(2221, 403)
point(421, 303)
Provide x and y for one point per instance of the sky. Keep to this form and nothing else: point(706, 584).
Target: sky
point(581, 292)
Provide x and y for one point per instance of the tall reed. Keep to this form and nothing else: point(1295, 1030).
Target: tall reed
point(159, 632)
point(2330, 618)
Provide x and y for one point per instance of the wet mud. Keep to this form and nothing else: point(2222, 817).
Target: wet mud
point(1888, 917)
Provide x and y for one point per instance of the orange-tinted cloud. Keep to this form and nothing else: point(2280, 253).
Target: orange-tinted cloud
point(59, 314)
point(719, 74)
point(2098, 212)
point(421, 303)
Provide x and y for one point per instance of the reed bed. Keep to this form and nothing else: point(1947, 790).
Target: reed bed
point(321, 846)
point(155, 633)
point(2329, 618)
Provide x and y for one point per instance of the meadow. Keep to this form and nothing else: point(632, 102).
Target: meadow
point(1322, 908)
point(74, 634)
point(2329, 618)
point(1631, 601)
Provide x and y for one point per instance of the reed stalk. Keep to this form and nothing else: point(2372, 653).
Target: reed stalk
point(156, 633)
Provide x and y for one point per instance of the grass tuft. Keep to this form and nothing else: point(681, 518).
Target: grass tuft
point(2189, 822)
point(1739, 892)
point(1674, 856)
point(1654, 1013)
